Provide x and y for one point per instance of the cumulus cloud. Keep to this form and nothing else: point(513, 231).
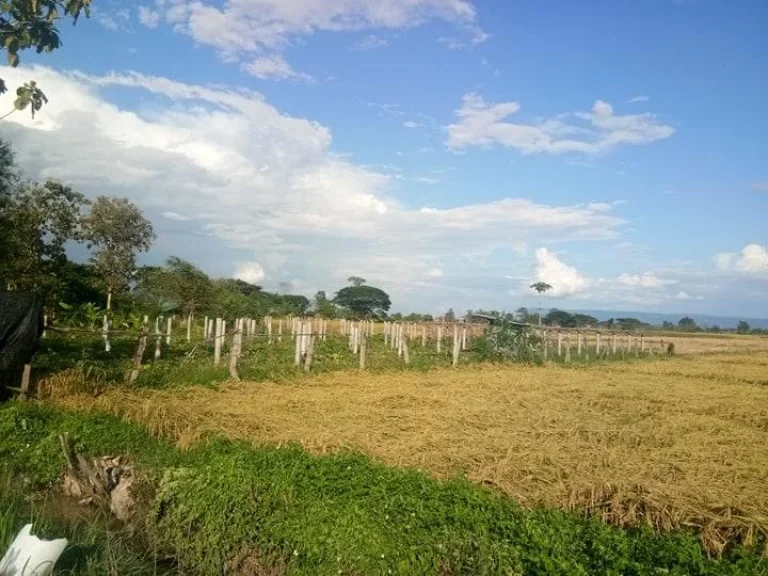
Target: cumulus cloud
point(647, 280)
point(274, 67)
point(148, 17)
point(434, 273)
point(753, 259)
point(565, 280)
point(262, 182)
point(637, 99)
point(600, 130)
point(266, 27)
point(250, 272)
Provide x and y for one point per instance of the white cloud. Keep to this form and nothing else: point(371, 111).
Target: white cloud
point(411, 124)
point(257, 181)
point(367, 43)
point(434, 274)
point(148, 17)
point(647, 280)
point(753, 259)
point(637, 99)
point(274, 67)
point(483, 124)
point(565, 280)
point(250, 272)
point(171, 215)
point(108, 22)
point(266, 27)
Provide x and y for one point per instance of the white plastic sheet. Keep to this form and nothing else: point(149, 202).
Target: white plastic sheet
point(30, 556)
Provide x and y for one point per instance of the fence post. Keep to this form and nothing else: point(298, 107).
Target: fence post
point(189, 326)
point(463, 337)
point(642, 343)
point(568, 348)
point(105, 330)
point(597, 345)
point(234, 349)
point(439, 339)
point(168, 330)
point(423, 336)
point(545, 346)
point(559, 344)
point(613, 343)
point(205, 328)
point(363, 351)
point(25, 376)
point(139, 354)
point(578, 343)
point(218, 333)
point(158, 341)
point(310, 356)
point(456, 345)
point(406, 354)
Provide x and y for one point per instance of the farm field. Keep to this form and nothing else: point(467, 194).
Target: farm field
point(674, 442)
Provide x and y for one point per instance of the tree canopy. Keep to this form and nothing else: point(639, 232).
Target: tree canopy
point(118, 231)
point(363, 301)
point(26, 24)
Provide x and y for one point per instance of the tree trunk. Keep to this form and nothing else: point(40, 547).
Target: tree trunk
point(109, 299)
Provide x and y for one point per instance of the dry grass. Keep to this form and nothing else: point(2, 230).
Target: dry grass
point(673, 442)
point(712, 343)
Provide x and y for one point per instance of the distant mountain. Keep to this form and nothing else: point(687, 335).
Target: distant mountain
point(657, 318)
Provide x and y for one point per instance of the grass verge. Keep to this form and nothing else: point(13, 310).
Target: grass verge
point(285, 511)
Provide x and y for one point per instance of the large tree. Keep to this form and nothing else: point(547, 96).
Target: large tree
point(28, 24)
point(38, 220)
point(323, 306)
point(364, 301)
point(118, 231)
point(541, 288)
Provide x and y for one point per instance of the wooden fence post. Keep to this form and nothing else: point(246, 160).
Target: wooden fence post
point(642, 343)
point(423, 336)
point(559, 344)
point(189, 327)
point(218, 334)
point(439, 339)
point(613, 343)
point(597, 345)
point(168, 335)
point(568, 348)
point(25, 376)
point(463, 337)
point(139, 354)
point(545, 346)
point(406, 354)
point(297, 350)
point(578, 344)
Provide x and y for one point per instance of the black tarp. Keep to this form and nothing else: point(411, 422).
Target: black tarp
point(21, 326)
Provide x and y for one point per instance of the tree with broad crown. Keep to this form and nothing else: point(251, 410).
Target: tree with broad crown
point(541, 288)
point(743, 327)
point(356, 280)
point(118, 231)
point(363, 301)
point(28, 24)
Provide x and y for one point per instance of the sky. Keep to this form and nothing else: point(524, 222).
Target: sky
point(451, 152)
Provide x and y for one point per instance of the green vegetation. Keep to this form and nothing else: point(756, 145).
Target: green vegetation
point(301, 514)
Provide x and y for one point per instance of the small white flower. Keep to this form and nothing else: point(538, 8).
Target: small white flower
point(295, 552)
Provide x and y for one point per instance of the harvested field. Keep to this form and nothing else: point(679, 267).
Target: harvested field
point(712, 343)
point(673, 442)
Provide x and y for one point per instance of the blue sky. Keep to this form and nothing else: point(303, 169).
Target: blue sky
point(450, 151)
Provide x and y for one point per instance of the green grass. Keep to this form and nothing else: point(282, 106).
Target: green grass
point(319, 515)
point(94, 549)
point(89, 368)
